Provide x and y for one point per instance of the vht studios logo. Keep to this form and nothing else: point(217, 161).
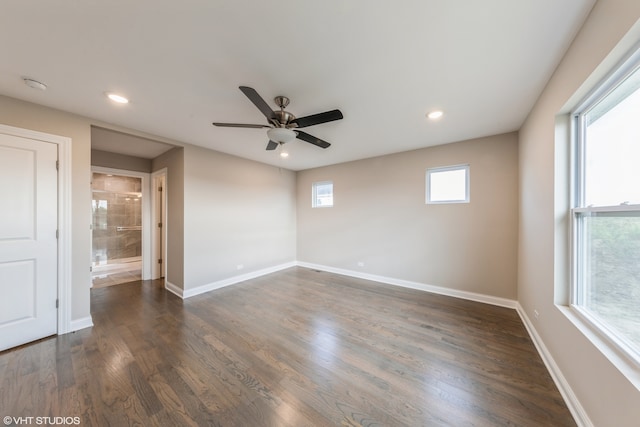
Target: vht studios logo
point(48, 421)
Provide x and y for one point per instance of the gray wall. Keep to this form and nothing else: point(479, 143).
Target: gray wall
point(173, 161)
point(380, 218)
point(238, 212)
point(543, 268)
point(120, 161)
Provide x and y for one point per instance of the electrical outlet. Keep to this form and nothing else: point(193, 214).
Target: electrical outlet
point(536, 314)
point(239, 267)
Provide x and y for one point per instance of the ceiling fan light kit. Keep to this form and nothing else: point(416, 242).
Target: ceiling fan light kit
point(281, 135)
point(282, 123)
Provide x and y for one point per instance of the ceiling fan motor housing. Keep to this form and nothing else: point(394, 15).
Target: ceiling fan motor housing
point(284, 119)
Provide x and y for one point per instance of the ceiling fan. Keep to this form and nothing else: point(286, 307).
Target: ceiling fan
point(283, 126)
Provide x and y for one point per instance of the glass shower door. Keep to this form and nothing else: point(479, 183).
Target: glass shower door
point(117, 229)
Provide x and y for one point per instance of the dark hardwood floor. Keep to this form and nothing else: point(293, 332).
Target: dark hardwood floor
point(294, 348)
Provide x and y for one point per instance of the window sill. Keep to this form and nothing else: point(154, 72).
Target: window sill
point(624, 362)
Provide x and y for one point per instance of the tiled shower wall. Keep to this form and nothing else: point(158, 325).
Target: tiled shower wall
point(117, 217)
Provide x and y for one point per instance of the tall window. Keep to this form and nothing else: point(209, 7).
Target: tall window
point(606, 213)
point(322, 194)
point(449, 184)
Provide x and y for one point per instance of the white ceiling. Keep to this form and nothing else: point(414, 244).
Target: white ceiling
point(383, 64)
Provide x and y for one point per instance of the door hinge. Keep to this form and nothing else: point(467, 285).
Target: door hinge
point(159, 188)
point(57, 234)
point(159, 225)
point(57, 165)
point(57, 303)
point(160, 261)
point(90, 269)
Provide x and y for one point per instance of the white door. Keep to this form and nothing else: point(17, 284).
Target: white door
point(28, 243)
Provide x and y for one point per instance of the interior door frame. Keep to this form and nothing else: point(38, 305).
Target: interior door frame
point(146, 214)
point(64, 218)
point(161, 240)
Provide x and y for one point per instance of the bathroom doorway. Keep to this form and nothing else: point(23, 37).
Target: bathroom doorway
point(117, 228)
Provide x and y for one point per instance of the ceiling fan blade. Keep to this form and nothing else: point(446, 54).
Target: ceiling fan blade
point(240, 125)
point(258, 102)
point(272, 145)
point(312, 139)
point(316, 119)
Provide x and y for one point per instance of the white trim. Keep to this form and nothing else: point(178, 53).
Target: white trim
point(146, 213)
point(226, 282)
point(154, 220)
point(614, 210)
point(619, 72)
point(579, 414)
point(472, 296)
point(85, 322)
point(64, 218)
point(174, 289)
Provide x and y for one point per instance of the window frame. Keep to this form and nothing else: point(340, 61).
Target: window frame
point(314, 194)
point(467, 190)
point(579, 211)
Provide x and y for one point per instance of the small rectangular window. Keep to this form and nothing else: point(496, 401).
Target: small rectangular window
point(322, 194)
point(448, 184)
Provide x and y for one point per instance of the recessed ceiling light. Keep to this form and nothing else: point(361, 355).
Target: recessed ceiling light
point(284, 154)
point(435, 114)
point(34, 84)
point(117, 98)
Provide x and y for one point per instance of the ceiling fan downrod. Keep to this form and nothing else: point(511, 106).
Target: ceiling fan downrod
point(283, 118)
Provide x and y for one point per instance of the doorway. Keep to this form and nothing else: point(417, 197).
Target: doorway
point(118, 244)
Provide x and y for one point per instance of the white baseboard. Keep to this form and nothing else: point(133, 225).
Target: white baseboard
point(487, 299)
point(579, 414)
point(225, 282)
point(76, 325)
point(174, 289)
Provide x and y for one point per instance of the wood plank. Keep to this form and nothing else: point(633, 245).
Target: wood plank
point(293, 348)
